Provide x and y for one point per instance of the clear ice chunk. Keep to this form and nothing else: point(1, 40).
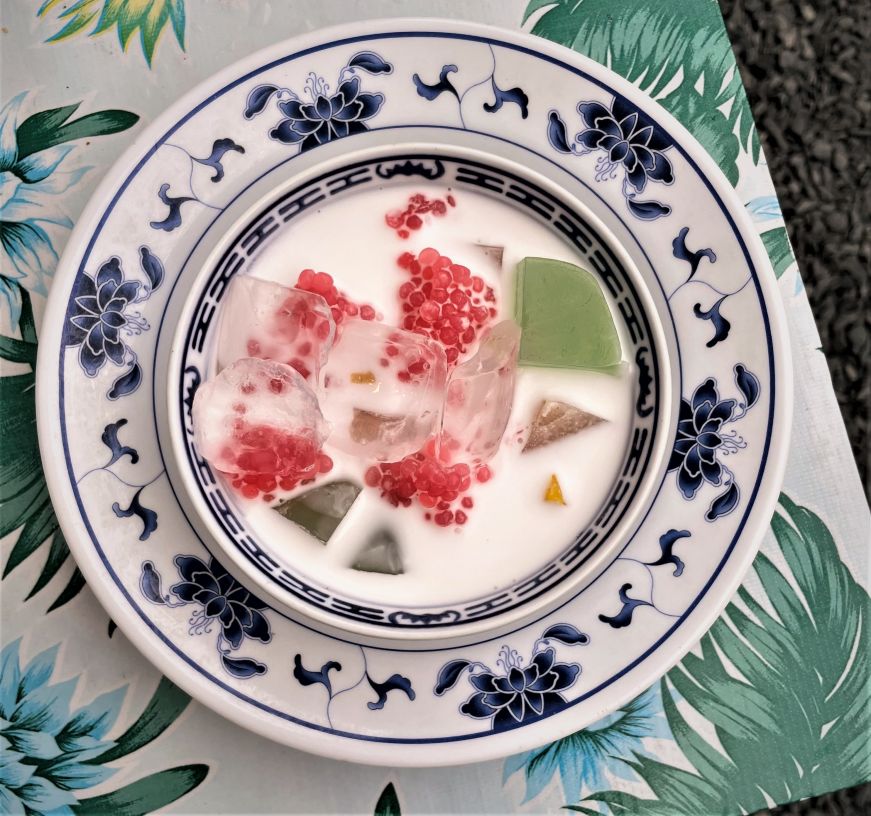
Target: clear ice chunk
point(565, 318)
point(264, 319)
point(557, 420)
point(383, 390)
point(259, 417)
point(320, 510)
point(479, 399)
point(380, 554)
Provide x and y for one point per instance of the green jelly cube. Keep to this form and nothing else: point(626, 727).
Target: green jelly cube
point(320, 509)
point(564, 319)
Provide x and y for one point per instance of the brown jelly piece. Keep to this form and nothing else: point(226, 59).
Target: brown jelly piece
point(557, 420)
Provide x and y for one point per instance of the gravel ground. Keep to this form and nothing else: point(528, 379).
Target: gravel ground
point(807, 73)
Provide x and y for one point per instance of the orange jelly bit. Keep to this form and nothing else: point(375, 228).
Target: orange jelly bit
point(363, 378)
point(554, 493)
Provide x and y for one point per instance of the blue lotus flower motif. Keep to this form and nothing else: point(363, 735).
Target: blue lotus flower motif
point(27, 185)
point(699, 438)
point(328, 116)
point(627, 138)
point(520, 693)
point(222, 598)
point(100, 315)
point(47, 752)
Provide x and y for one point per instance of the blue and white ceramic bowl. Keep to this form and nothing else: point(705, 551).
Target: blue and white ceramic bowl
point(128, 332)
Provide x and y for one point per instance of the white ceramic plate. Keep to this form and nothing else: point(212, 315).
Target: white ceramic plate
point(409, 97)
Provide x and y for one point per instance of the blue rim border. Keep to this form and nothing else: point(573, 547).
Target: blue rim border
point(753, 494)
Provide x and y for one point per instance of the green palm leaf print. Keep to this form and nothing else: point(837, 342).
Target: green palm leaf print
point(783, 680)
point(679, 53)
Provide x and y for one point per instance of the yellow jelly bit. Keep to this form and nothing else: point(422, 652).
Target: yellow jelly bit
point(363, 378)
point(554, 492)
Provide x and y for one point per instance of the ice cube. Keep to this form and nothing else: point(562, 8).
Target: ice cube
point(565, 319)
point(259, 418)
point(380, 554)
point(383, 390)
point(321, 509)
point(557, 420)
point(480, 396)
point(273, 322)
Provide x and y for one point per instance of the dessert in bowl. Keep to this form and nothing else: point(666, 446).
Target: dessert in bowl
point(417, 411)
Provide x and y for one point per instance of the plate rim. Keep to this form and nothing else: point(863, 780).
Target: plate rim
point(641, 673)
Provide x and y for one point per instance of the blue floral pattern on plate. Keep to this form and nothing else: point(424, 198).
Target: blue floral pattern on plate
point(517, 693)
point(325, 115)
point(629, 141)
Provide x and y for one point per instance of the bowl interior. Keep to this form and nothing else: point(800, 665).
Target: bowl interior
point(516, 556)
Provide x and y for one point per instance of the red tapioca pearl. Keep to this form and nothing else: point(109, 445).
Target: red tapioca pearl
point(409, 322)
point(287, 483)
point(451, 200)
point(266, 482)
point(439, 207)
point(403, 233)
point(426, 289)
point(405, 290)
point(413, 222)
point(468, 502)
point(253, 348)
point(492, 312)
point(325, 463)
point(416, 281)
point(468, 336)
point(439, 295)
point(428, 256)
point(239, 408)
point(276, 386)
point(384, 362)
point(479, 314)
point(268, 497)
point(372, 476)
point(405, 260)
point(304, 348)
point(322, 329)
point(460, 517)
point(306, 277)
point(352, 310)
point(465, 483)
point(247, 388)
point(477, 284)
point(416, 298)
point(426, 500)
point(452, 354)
point(414, 269)
point(394, 220)
point(459, 298)
point(301, 367)
point(429, 310)
point(403, 376)
point(483, 474)
point(337, 313)
point(442, 279)
point(450, 495)
point(490, 295)
point(250, 491)
point(444, 518)
point(367, 312)
point(426, 273)
point(448, 336)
